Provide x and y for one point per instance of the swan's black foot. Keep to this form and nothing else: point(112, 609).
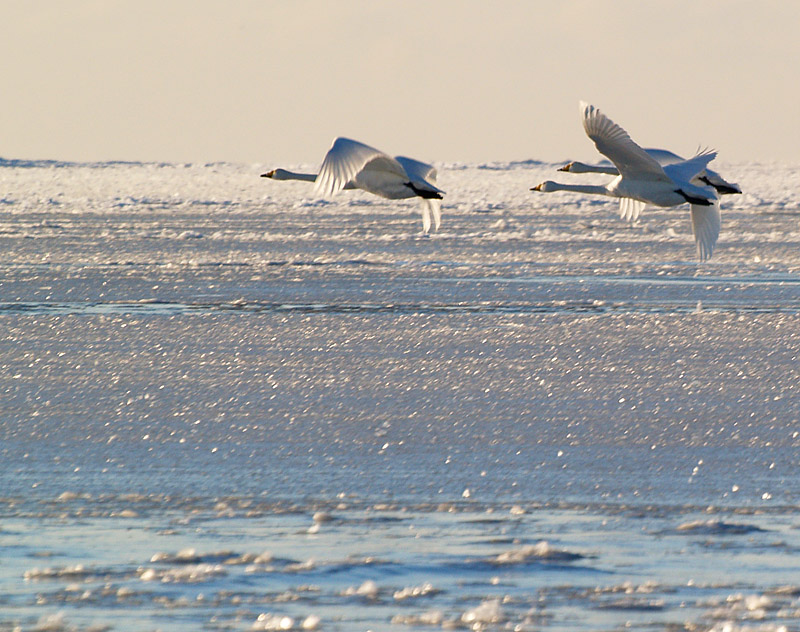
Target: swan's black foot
point(423, 193)
point(692, 199)
point(722, 189)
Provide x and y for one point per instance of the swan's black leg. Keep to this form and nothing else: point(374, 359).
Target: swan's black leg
point(722, 189)
point(423, 193)
point(693, 200)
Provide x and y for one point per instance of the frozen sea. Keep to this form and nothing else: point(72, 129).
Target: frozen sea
point(228, 405)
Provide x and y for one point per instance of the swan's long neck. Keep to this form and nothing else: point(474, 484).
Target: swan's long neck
point(284, 174)
point(580, 167)
point(592, 189)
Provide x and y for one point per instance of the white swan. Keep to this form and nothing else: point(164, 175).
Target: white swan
point(664, 158)
point(353, 165)
point(642, 179)
point(631, 209)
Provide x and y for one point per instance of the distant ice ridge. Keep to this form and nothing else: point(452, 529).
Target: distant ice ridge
point(190, 573)
point(488, 612)
point(539, 551)
point(270, 621)
point(76, 571)
point(230, 210)
point(412, 592)
point(728, 626)
point(715, 527)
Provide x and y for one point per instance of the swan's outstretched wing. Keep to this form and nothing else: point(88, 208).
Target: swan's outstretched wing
point(431, 212)
point(614, 143)
point(706, 221)
point(687, 170)
point(630, 209)
point(345, 159)
point(663, 156)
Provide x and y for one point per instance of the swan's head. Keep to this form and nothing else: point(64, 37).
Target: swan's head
point(276, 174)
point(576, 167)
point(548, 186)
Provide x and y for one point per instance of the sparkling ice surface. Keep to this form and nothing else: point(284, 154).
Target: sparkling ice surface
point(228, 405)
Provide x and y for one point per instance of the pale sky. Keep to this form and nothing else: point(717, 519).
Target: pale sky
point(267, 81)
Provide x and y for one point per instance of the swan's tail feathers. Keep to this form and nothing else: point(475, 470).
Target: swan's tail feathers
point(630, 209)
point(706, 221)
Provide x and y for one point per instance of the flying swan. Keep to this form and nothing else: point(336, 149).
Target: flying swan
point(630, 209)
point(353, 165)
point(642, 180)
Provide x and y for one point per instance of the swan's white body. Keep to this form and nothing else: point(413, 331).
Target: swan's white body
point(642, 180)
point(353, 165)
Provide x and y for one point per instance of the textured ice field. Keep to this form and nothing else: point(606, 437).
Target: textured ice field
point(228, 405)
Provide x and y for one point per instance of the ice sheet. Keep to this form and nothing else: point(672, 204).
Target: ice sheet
point(305, 414)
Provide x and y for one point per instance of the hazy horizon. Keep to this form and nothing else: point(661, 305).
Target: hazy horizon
point(451, 81)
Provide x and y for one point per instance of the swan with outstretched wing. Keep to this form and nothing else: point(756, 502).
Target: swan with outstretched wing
point(350, 164)
point(643, 180)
